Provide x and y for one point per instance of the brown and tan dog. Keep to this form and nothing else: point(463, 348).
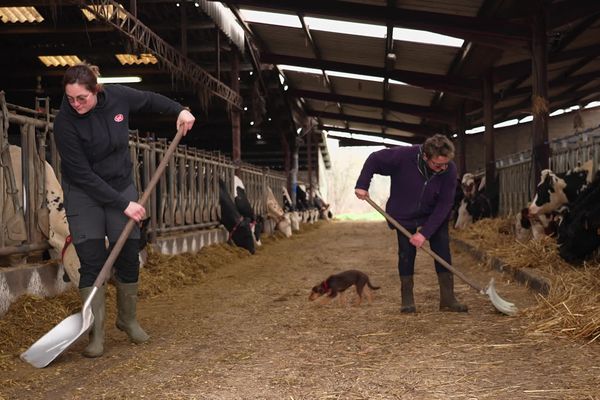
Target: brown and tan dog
point(339, 282)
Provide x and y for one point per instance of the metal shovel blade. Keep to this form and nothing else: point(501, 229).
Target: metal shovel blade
point(53, 343)
point(505, 307)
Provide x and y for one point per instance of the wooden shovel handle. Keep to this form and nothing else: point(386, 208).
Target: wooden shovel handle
point(104, 273)
point(439, 259)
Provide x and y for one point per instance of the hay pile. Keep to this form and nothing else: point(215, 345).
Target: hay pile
point(572, 308)
point(31, 317)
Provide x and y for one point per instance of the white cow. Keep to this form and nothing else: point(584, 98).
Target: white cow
point(275, 212)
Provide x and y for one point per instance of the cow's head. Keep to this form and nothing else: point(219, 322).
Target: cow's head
point(285, 225)
point(468, 185)
point(295, 220)
point(242, 235)
point(258, 227)
point(549, 194)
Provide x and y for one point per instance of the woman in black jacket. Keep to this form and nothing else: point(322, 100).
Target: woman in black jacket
point(92, 135)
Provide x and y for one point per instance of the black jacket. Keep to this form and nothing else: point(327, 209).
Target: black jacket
point(94, 147)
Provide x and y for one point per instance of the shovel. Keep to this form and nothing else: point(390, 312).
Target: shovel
point(501, 305)
point(53, 343)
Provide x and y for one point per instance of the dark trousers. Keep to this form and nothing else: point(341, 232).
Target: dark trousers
point(90, 223)
point(439, 243)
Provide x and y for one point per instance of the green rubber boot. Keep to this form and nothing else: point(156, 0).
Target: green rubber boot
point(447, 300)
point(406, 290)
point(95, 348)
point(126, 312)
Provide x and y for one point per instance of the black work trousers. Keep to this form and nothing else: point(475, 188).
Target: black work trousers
point(90, 225)
point(439, 243)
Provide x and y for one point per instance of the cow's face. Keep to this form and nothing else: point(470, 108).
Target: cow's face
point(285, 226)
point(549, 194)
point(295, 220)
point(468, 185)
point(257, 230)
point(242, 236)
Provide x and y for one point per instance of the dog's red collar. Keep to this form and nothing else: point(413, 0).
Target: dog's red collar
point(325, 285)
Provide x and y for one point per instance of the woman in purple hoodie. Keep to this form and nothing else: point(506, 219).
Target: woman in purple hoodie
point(422, 187)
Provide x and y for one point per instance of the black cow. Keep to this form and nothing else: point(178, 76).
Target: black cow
point(301, 199)
point(238, 226)
point(245, 208)
point(579, 230)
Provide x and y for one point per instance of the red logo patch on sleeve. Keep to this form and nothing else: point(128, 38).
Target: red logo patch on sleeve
point(119, 118)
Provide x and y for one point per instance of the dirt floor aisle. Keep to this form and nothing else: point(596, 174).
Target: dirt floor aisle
point(247, 331)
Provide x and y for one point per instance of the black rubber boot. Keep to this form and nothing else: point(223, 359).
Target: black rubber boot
point(95, 348)
point(406, 288)
point(447, 300)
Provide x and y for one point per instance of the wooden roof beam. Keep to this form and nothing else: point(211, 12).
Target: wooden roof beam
point(410, 109)
point(469, 88)
point(418, 130)
point(407, 139)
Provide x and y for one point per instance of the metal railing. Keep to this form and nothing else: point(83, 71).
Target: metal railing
point(186, 197)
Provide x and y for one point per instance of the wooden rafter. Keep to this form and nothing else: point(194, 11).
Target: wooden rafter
point(180, 65)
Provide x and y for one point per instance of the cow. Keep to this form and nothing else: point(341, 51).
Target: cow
point(239, 229)
point(275, 213)
point(528, 226)
point(322, 207)
point(55, 228)
point(475, 204)
point(245, 208)
point(289, 209)
point(305, 205)
point(556, 190)
point(579, 231)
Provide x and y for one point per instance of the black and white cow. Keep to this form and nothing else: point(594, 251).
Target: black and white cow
point(305, 205)
point(557, 190)
point(290, 209)
point(322, 206)
point(245, 208)
point(475, 204)
point(528, 226)
point(579, 231)
point(238, 226)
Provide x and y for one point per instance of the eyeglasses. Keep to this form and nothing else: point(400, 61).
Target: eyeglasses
point(81, 99)
point(437, 165)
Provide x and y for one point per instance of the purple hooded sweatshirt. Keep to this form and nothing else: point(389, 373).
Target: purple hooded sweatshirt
point(418, 197)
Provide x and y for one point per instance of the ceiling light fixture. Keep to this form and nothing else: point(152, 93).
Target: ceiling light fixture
point(20, 14)
point(103, 10)
point(131, 59)
point(59, 61)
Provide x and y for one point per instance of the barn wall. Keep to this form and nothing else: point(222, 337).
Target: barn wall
point(516, 139)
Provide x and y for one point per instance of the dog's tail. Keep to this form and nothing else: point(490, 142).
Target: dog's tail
point(371, 286)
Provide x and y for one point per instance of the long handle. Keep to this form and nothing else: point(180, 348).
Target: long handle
point(439, 259)
point(103, 275)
